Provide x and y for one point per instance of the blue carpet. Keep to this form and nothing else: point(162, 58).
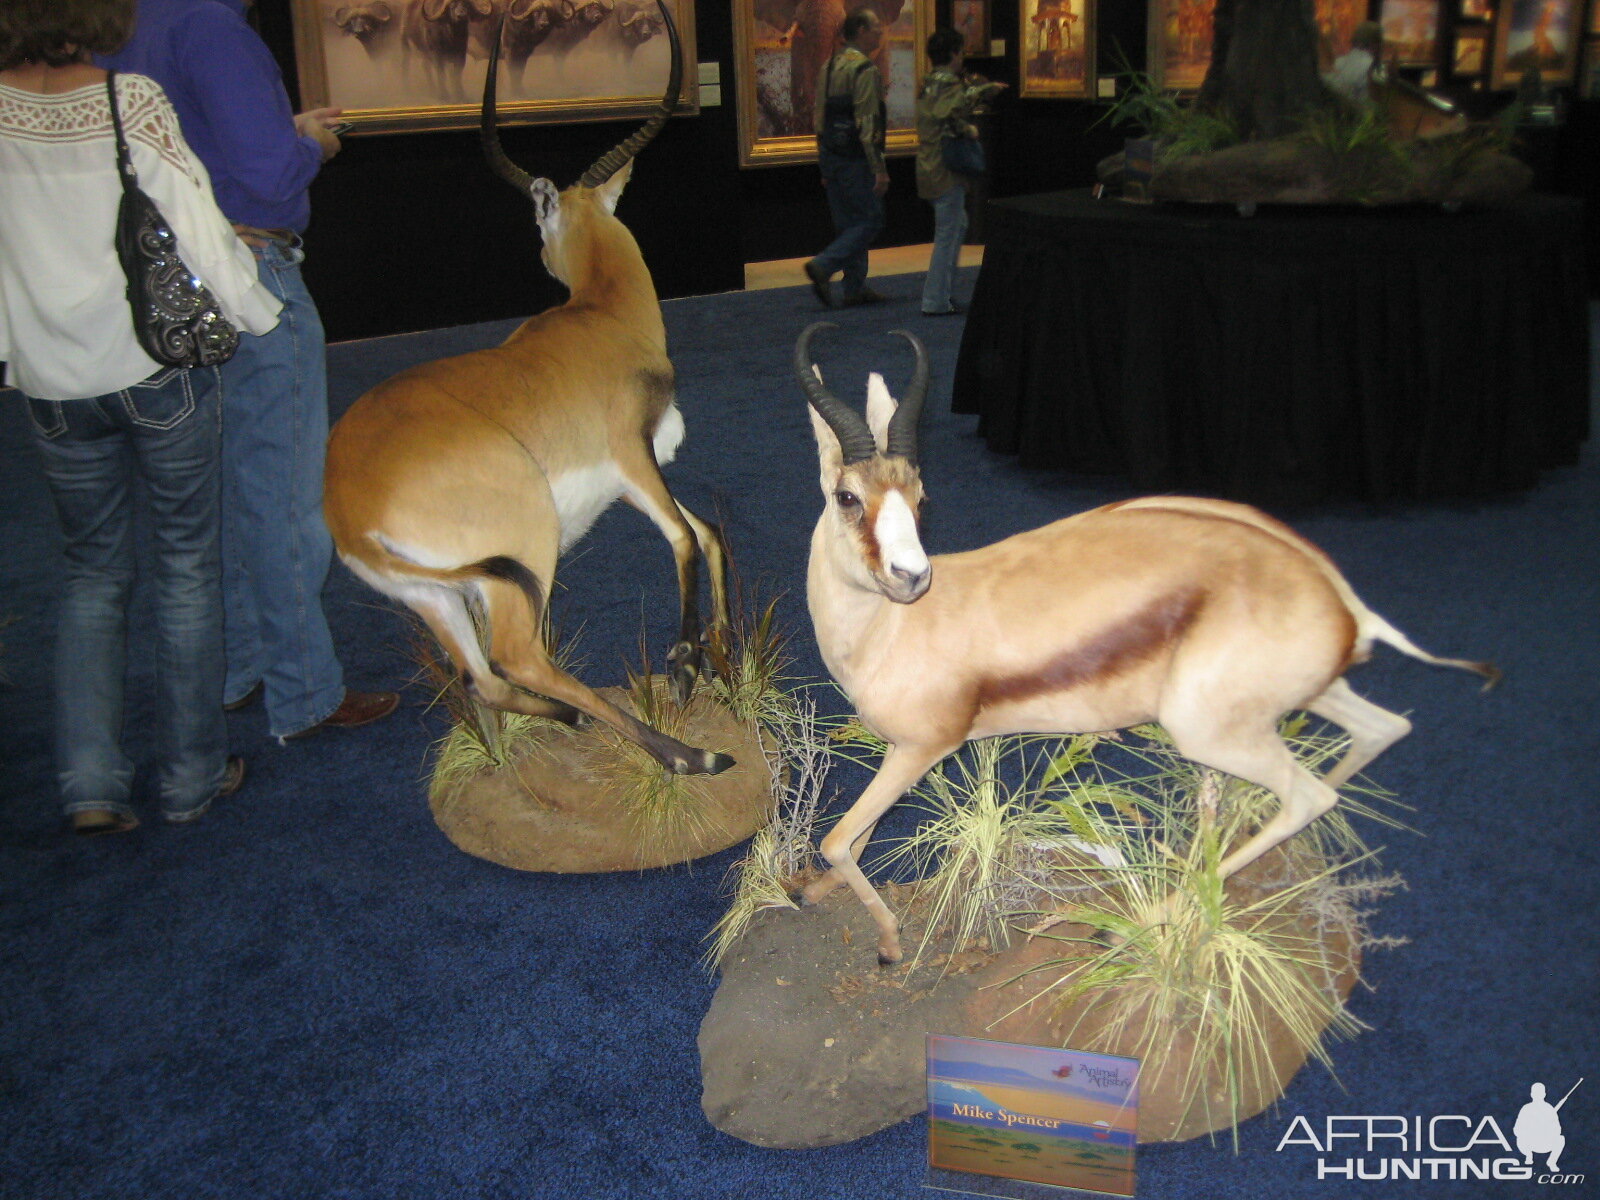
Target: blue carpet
point(311, 993)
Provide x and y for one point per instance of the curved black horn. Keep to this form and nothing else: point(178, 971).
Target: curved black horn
point(855, 439)
point(612, 161)
point(488, 134)
point(902, 435)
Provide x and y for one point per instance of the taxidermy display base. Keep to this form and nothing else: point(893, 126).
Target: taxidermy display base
point(809, 1043)
point(586, 800)
point(1439, 171)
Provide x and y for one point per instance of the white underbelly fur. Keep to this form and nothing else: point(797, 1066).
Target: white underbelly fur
point(583, 494)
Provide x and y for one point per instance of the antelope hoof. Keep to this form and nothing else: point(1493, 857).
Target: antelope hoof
point(886, 959)
point(683, 665)
point(701, 762)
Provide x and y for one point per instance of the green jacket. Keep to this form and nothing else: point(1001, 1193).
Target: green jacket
point(944, 109)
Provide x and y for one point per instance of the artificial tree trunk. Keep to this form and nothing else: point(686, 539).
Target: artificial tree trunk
point(1264, 65)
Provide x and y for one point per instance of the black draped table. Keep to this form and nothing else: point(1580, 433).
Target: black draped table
point(1292, 356)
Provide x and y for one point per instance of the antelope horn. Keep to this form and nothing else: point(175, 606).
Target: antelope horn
point(611, 162)
point(902, 435)
point(855, 439)
point(488, 134)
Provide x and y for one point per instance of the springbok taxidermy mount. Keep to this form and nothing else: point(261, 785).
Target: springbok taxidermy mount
point(1208, 617)
point(454, 486)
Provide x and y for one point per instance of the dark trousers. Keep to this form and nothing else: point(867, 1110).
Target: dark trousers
point(857, 219)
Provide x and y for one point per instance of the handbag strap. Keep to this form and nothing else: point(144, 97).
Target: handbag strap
point(130, 177)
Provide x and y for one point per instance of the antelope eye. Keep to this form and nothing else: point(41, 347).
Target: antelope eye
point(847, 500)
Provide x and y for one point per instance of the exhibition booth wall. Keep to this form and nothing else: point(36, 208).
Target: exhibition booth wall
point(312, 993)
point(410, 231)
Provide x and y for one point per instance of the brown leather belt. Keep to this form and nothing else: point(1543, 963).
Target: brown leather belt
point(257, 239)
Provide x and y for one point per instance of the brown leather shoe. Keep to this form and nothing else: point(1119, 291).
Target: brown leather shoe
point(357, 708)
point(92, 822)
point(865, 296)
point(819, 283)
point(232, 777)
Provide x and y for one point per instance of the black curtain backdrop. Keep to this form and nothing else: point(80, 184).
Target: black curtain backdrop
point(1293, 356)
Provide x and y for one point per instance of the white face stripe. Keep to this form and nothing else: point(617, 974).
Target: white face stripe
point(896, 531)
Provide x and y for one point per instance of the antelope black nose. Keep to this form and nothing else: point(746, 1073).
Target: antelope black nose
point(909, 577)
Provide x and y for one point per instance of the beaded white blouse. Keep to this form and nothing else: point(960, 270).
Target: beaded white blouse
point(66, 331)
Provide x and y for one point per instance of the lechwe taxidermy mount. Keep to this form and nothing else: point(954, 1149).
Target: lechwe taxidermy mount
point(1208, 617)
point(458, 483)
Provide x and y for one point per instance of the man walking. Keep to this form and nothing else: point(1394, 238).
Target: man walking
point(850, 121)
point(235, 113)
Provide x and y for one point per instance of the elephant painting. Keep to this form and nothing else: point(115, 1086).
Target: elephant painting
point(810, 30)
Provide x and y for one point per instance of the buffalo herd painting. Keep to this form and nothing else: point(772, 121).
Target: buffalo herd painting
point(410, 64)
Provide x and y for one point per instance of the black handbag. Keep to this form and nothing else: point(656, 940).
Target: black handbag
point(964, 156)
point(839, 134)
point(175, 317)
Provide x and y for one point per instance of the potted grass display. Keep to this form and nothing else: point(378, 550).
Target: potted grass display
point(1026, 905)
point(537, 795)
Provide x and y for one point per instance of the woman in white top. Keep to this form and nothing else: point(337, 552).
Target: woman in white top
point(104, 414)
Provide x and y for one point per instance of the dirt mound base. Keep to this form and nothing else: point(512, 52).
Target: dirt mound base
point(809, 1043)
point(558, 808)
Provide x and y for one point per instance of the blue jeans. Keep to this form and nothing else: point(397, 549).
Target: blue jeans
point(949, 226)
point(275, 547)
point(164, 433)
point(857, 219)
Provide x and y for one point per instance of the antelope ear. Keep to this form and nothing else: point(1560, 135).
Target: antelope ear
point(546, 207)
point(828, 452)
point(610, 191)
point(880, 407)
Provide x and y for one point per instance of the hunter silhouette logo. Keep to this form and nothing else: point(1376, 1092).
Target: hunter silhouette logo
point(1538, 1127)
point(1453, 1146)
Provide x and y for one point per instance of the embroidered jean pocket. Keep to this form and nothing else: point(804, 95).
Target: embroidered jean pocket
point(160, 402)
point(47, 417)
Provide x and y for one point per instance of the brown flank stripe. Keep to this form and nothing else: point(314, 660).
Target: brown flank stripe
point(1111, 651)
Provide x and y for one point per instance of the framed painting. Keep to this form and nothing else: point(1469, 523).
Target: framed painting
point(1477, 10)
point(1057, 49)
point(1589, 87)
point(970, 18)
point(1537, 35)
point(1336, 22)
point(404, 65)
point(780, 47)
point(1411, 32)
point(1472, 52)
point(1180, 43)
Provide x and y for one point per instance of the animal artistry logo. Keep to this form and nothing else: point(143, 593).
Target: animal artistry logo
point(1451, 1146)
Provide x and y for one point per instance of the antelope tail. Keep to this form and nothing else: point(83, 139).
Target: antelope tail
point(1380, 629)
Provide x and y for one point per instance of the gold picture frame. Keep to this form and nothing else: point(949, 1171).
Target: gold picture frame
point(1536, 33)
point(776, 42)
point(970, 18)
point(1057, 56)
point(1472, 52)
point(1180, 43)
point(397, 66)
point(1411, 32)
